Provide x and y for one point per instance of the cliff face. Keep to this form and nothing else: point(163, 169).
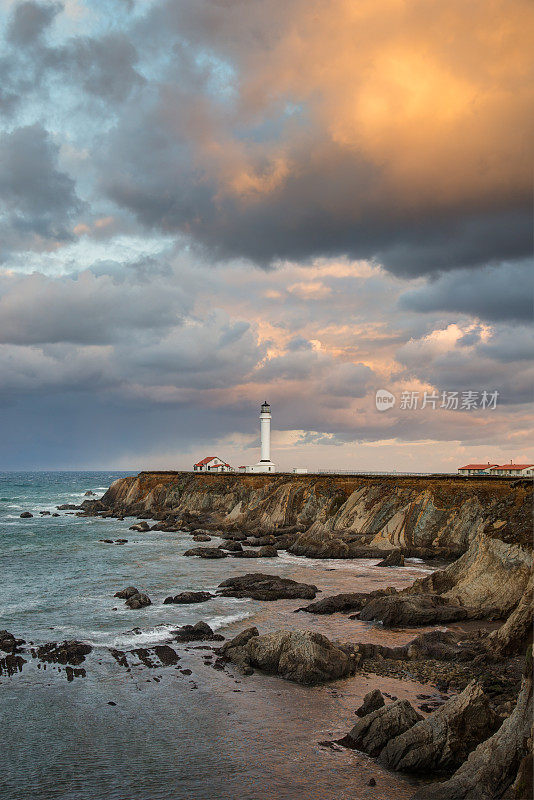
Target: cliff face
point(350, 512)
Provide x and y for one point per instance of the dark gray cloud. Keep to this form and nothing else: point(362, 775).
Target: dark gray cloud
point(104, 66)
point(495, 293)
point(86, 309)
point(30, 20)
point(36, 197)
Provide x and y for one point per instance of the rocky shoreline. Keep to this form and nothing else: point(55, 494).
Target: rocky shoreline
point(477, 742)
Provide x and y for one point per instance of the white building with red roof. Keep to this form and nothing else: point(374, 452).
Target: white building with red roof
point(497, 469)
point(212, 464)
point(512, 469)
point(476, 469)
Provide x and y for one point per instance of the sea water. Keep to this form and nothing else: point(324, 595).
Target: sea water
point(210, 735)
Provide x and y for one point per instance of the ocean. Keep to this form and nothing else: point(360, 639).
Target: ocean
point(209, 735)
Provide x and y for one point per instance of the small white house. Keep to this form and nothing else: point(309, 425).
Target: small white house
point(212, 464)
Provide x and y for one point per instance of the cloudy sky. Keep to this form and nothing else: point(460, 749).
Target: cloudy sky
point(205, 204)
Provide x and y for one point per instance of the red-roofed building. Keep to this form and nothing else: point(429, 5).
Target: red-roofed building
point(512, 469)
point(476, 469)
point(212, 464)
point(497, 469)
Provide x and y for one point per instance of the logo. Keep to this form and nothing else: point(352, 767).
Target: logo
point(384, 400)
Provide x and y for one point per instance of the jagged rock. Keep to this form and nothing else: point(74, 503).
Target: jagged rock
point(68, 507)
point(322, 544)
point(260, 586)
point(246, 554)
point(374, 731)
point(138, 600)
point(189, 597)
point(240, 640)
point(70, 652)
point(141, 527)
point(45, 513)
point(351, 601)
point(446, 737)
point(400, 611)
point(201, 631)
point(26, 515)
point(514, 634)
point(232, 547)
point(206, 552)
point(267, 551)
point(9, 643)
point(394, 559)
point(494, 765)
point(441, 645)
point(201, 537)
point(89, 493)
point(491, 575)
point(302, 656)
point(166, 655)
point(125, 594)
point(371, 702)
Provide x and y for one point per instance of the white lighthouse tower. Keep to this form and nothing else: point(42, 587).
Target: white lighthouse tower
point(265, 433)
point(264, 464)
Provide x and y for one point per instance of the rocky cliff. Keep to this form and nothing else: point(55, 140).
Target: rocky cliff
point(338, 516)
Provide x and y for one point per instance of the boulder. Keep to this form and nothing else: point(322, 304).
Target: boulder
point(199, 632)
point(394, 559)
point(26, 515)
point(246, 554)
point(446, 737)
point(138, 600)
point(189, 597)
point(404, 610)
point(260, 586)
point(141, 527)
point(206, 552)
point(302, 656)
point(372, 733)
point(9, 643)
point(68, 507)
point(267, 551)
point(232, 547)
point(371, 702)
point(125, 594)
point(201, 537)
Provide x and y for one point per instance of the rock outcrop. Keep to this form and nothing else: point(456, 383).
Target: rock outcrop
point(401, 611)
point(259, 586)
point(134, 598)
point(394, 559)
point(497, 763)
point(374, 731)
point(371, 702)
point(206, 552)
point(446, 737)
point(301, 656)
point(185, 598)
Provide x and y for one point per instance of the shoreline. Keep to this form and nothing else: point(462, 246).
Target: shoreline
point(438, 663)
